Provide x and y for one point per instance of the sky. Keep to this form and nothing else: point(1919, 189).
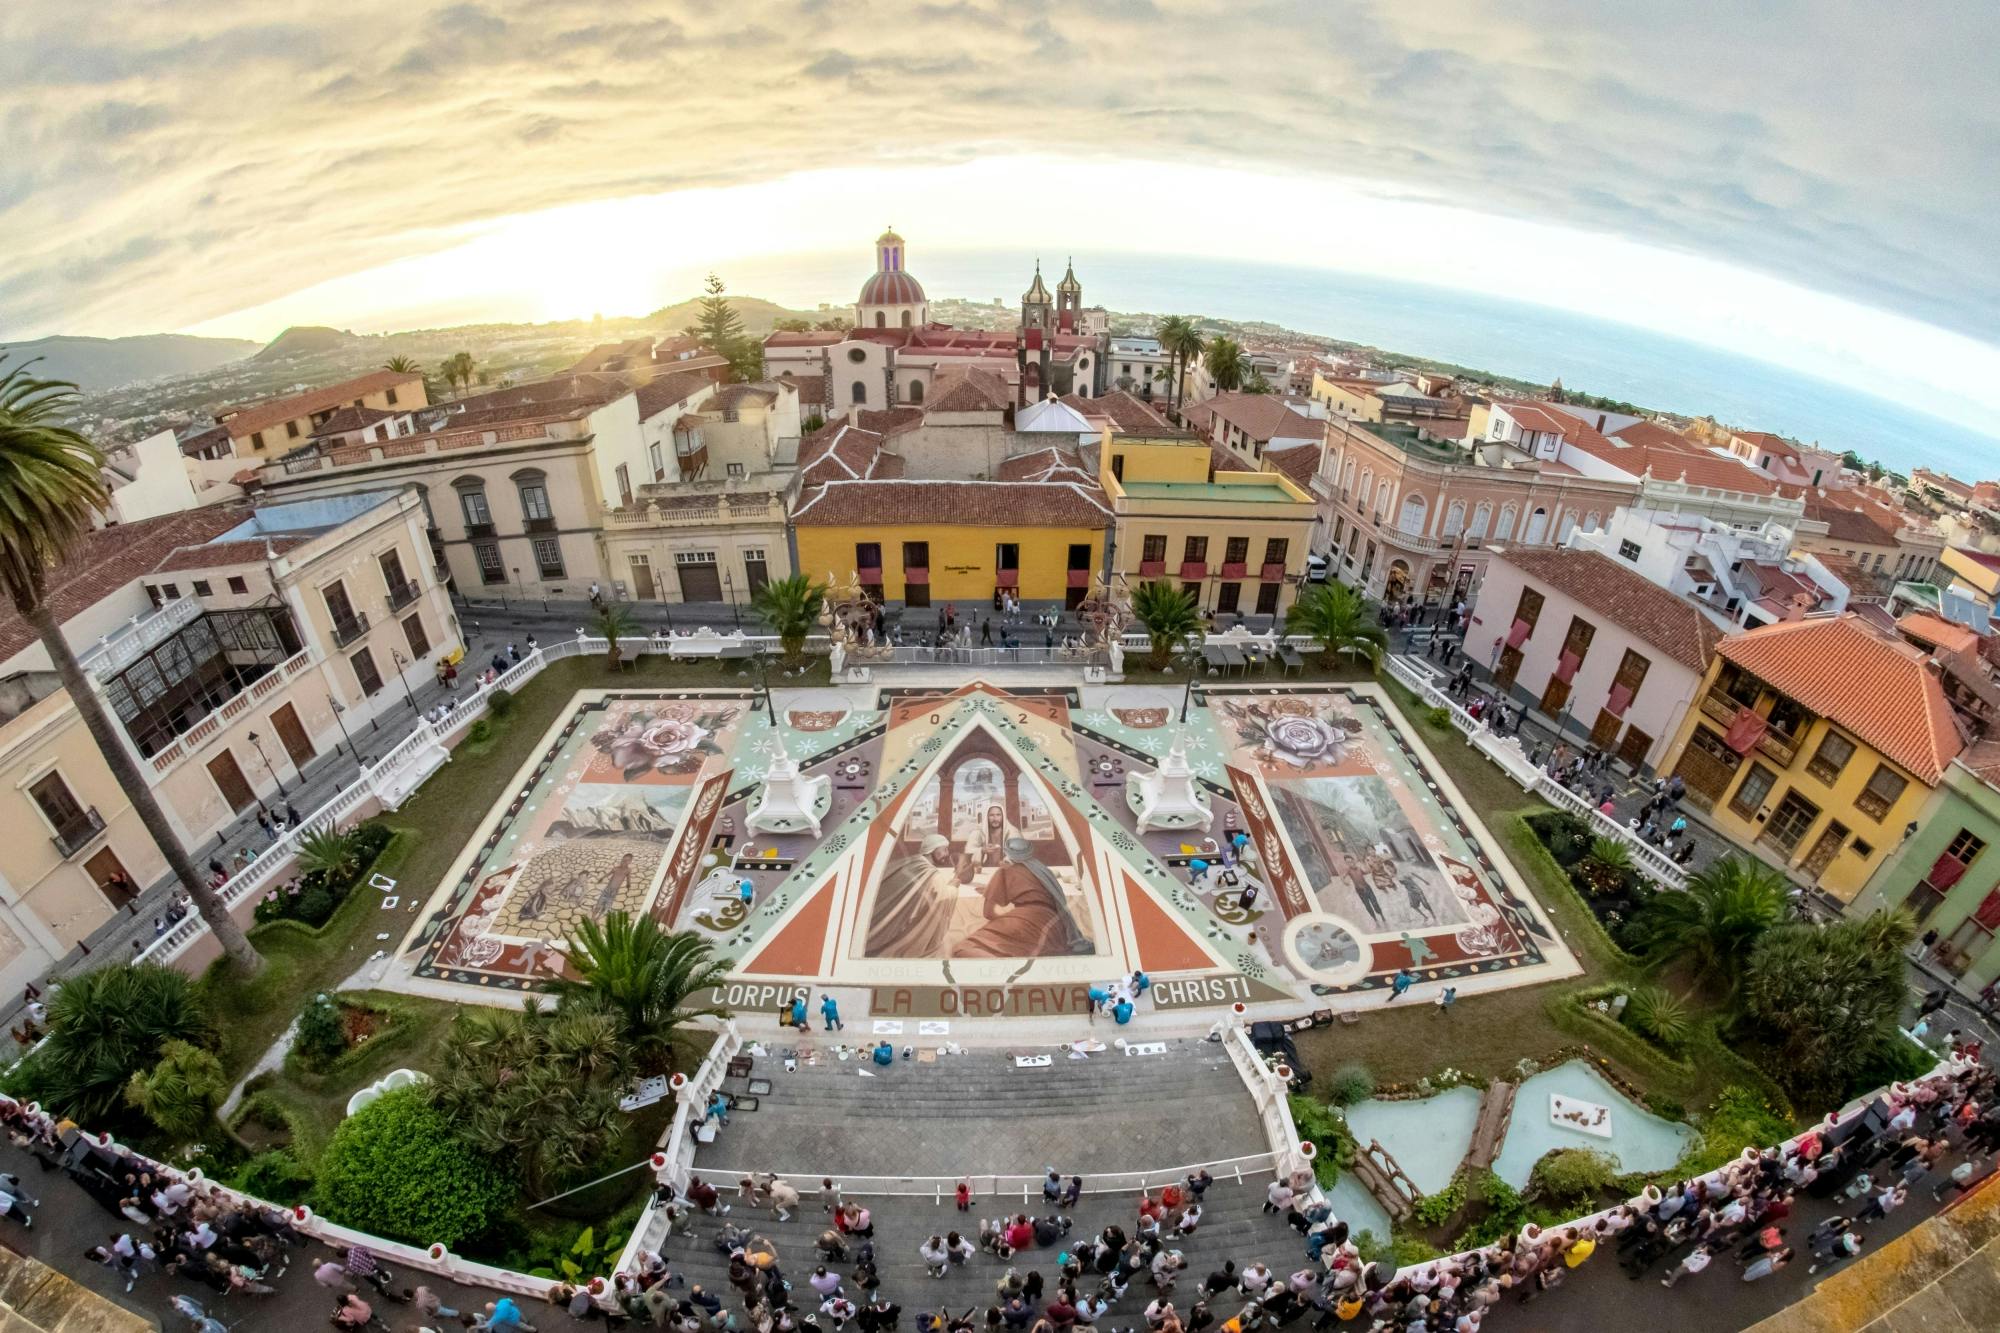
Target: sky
point(1805, 181)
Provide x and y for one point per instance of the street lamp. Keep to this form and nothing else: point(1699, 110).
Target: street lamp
point(1189, 659)
point(729, 595)
point(763, 685)
point(396, 656)
point(258, 742)
point(338, 711)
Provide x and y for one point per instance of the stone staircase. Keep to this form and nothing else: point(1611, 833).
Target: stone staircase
point(978, 1113)
point(1234, 1226)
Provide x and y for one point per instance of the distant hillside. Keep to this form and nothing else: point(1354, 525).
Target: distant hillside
point(304, 340)
point(104, 363)
point(758, 315)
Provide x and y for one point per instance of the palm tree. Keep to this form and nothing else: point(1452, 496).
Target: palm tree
point(615, 621)
point(1172, 330)
point(1337, 616)
point(331, 853)
point(402, 365)
point(1169, 615)
point(642, 974)
point(1727, 908)
point(106, 1025)
point(458, 369)
point(50, 489)
point(791, 607)
point(1224, 360)
point(1187, 345)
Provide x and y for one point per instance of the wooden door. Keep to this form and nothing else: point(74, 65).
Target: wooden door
point(1228, 596)
point(642, 579)
point(1633, 748)
point(1267, 598)
point(701, 582)
point(1508, 668)
point(1704, 769)
point(107, 872)
point(1789, 822)
point(1604, 730)
point(229, 777)
point(1554, 696)
point(292, 735)
point(1824, 849)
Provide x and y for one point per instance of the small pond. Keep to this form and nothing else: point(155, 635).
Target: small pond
point(1639, 1141)
point(1428, 1138)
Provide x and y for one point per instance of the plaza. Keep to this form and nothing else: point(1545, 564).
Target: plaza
point(979, 852)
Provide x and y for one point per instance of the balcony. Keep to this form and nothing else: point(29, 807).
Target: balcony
point(1779, 748)
point(475, 530)
point(402, 594)
point(1149, 569)
point(347, 631)
point(1194, 570)
point(1234, 569)
point(1721, 707)
point(76, 832)
point(118, 650)
point(1273, 572)
point(540, 525)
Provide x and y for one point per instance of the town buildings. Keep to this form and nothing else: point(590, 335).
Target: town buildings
point(232, 644)
point(267, 429)
point(1748, 577)
point(1945, 875)
point(1600, 649)
point(1819, 742)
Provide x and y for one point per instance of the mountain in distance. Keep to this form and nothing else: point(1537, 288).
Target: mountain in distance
point(757, 314)
point(304, 340)
point(103, 363)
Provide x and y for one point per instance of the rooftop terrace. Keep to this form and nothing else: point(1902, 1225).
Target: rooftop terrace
point(1405, 437)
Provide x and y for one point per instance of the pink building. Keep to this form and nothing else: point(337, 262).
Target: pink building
point(1595, 645)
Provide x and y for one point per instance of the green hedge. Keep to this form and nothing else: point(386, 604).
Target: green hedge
point(398, 1169)
point(1553, 887)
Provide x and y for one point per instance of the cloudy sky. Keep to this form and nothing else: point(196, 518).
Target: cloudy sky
point(1812, 173)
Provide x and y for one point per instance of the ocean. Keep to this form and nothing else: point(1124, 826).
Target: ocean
point(1534, 343)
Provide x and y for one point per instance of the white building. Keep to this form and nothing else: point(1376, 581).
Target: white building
point(1748, 576)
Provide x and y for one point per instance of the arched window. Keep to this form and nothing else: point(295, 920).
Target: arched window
point(1482, 518)
point(1565, 525)
point(859, 393)
point(533, 488)
point(1506, 528)
point(1367, 488)
point(906, 319)
point(1348, 483)
point(1454, 518)
point(881, 319)
point(916, 391)
point(1382, 490)
point(1592, 521)
point(1414, 512)
point(472, 501)
point(1538, 527)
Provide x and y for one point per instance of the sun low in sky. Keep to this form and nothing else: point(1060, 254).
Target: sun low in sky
point(1803, 181)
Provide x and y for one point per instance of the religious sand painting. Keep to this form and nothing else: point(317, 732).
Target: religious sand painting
point(591, 833)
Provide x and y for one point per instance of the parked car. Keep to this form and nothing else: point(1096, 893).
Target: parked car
point(1318, 568)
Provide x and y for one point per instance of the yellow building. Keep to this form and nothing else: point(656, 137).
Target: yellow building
point(1236, 540)
point(277, 425)
point(1816, 743)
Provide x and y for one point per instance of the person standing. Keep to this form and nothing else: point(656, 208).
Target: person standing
point(1400, 983)
point(1445, 1000)
point(1698, 1258)
point(829, 1010)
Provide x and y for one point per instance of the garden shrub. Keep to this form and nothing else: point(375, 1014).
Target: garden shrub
point(1740, 1118)
point(275, 1177)
point(313, 897)
point(1351, 1083)
point(499, 701)
point(478, 733)
point(106, 1025)
point(1434, 1210)
point(1567, 836)
point(1572, 1175)
point(1328, 1132)
point(398, 1169)
point(321, 1035)
point(180, 1092)
point(1439, 717)
point(1656, 1013)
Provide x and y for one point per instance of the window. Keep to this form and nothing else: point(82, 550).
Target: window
point(292, 429)
point(170, 590)
point(735, 469)
point(257, 439)
point(364, 672)
point(1628, 550)
point(916, 391)
point(916, 555)
point(535, 496)
point(472, 501)
point(1153, 548)
point(1277, 550)
point(59, 806)
point(624, 475)
point(337, 604)
point(490, 568)
point(1118, 466)
point(1885, 785)
point(1006, 555)
point(659, 464)
point(389, 397)
point(858, 392)
point(238, 586)
point(1750, 794)
point(857, 355)
point(1195, 552)
point(392, 572)
point(1965, 847)
point(548, 557)
point(1506, 528)
point(1529, 608)
point(413, 634)
point(201, 588)
point(1832, 756)
point(1236, 551)
point(1632, 669)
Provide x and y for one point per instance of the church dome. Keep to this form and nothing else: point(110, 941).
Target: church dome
point(891, 288)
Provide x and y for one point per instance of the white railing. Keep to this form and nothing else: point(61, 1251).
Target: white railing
point(1269, 1091)
point(1650, 860)
point(674, 1161)
point(119, 649)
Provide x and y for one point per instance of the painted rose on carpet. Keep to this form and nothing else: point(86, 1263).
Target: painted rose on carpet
point(676, 738)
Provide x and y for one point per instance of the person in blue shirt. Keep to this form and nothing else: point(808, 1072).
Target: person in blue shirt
point(1122, 1011)
point(1140, 981)
point(829, 1010)
point(745, 890)
point(799, 1013)
point(503, 1314)
point(885, 1054)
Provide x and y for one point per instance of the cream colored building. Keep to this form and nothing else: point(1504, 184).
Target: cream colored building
point(267, 429)
point(223, 640)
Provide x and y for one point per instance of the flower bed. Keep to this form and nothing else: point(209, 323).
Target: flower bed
point(312, 898)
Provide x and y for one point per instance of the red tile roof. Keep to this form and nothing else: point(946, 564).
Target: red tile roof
point(107, 559)
point(663, 392)
point(249, 420)
point(1874, 685)
point(842, 451)
point(988, 504)
point(1052, 463)
point(1263, 416)
point(1848, 525)
point(1624, 597)
point(1938, 632)
point(351, 418)
point(1132, 416)
point(1295, 464)
point(968, 390)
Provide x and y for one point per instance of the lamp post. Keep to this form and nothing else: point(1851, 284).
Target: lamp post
point(763, 685)
point(341, 722)
point(729, 595)
point(396, 656)
point(258, 743)
point(1190, 659)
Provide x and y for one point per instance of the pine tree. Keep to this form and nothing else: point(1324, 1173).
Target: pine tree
point(720, 329)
